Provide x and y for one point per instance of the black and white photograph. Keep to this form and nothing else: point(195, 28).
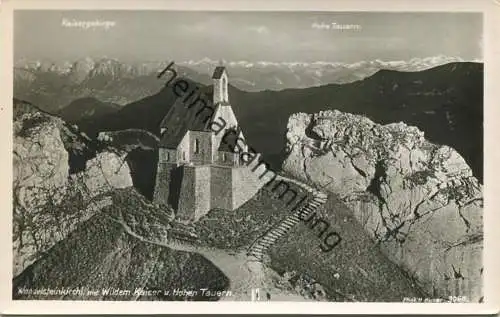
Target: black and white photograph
point(247, 156)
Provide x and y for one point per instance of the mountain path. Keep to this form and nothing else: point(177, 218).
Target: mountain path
point(246, 270)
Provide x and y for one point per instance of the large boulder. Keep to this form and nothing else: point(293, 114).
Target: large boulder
point(106, 171)
point(418, 200)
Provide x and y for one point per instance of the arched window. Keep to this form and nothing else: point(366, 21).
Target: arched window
point(223, 157)
point(196, 146)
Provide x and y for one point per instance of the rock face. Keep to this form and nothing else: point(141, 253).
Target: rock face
point(417, 199)
point(49, 202)
point(41, 163)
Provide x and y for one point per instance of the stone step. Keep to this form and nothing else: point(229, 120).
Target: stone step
point(265, 246)
point(260, 250)
point(304, 212)
point(269, 239)
point(274, 235)
point(273, 239)
point(303, 215)
point(255, 253)
point(259, 245)
point(281, 230)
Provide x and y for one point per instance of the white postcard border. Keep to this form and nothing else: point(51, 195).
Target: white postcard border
point(491, 53)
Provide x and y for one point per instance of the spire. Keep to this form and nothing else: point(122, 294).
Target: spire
point(220, 84)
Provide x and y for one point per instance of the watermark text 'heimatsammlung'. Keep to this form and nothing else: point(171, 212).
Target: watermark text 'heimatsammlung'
point(194, 98)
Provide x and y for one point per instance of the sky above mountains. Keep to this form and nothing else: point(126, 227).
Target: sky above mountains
point(252, 36)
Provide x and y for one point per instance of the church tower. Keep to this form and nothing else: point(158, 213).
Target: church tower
point(220, 85)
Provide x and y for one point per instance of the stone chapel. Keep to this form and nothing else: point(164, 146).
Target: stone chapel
point(198, 170)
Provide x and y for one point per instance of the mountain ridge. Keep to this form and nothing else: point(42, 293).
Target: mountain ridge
point(445, 102)
point(246, 75)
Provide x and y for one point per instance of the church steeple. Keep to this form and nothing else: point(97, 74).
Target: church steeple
point(220, 85)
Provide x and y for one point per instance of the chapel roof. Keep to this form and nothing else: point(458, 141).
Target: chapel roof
point(180, 118)
point(219, 70)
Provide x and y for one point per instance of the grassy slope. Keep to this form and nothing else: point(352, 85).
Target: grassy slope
point(364, 273)
point(100, 254)
point(239, 228)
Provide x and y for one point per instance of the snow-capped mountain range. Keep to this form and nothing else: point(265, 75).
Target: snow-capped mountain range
point(261, 75)
point(412, 64)
point(110, 80)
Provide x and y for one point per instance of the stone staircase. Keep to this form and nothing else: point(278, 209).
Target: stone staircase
point(260, 247)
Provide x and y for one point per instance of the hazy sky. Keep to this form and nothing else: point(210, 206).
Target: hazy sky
point(251, 36)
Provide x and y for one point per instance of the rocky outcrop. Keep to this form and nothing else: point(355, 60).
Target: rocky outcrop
point(40, 163)
point(50, 200)
point(104, 172)
point(418, 200)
